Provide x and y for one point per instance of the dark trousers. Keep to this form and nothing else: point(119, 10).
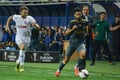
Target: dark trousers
point(88, 46)
point(116, 46)
point(98, 44)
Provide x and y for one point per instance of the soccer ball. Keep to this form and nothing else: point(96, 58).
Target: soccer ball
point(83, 74)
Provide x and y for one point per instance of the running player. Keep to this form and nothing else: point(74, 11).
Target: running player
point(23, 33)
point(77, 30)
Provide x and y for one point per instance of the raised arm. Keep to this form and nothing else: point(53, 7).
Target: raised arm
point(8, 23)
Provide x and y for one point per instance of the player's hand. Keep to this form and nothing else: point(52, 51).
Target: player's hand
point(7, 29)
point(74, 27)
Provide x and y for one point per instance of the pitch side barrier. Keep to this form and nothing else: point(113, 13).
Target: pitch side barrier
point(31, 56)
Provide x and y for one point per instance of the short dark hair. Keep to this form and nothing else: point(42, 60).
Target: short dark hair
point(76, 10)
point(23, 7)
point(102, 13)
point(85, 6)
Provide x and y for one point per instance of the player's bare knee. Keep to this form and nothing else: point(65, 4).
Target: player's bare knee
point(21, 46)
point(82, 54)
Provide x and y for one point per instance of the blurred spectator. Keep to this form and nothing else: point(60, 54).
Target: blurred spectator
point(47, 39)
point(54, 46)
point(11, 43)
point(59, 37)
point(41, 46)
point(5, 36)
point(42, 35)
point(34, 39)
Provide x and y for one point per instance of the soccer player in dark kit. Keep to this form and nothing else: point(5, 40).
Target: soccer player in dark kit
point(77, 29)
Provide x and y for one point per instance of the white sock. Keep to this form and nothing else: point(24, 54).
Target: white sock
point(23, 60)
point(21, 57)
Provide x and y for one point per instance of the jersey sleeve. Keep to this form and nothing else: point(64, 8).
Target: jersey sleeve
point(14, 17)
point(32, 20)
point(70, 25)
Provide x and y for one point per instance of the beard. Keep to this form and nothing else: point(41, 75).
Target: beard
point(79, 19)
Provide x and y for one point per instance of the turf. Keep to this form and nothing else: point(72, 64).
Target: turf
point(45, 71)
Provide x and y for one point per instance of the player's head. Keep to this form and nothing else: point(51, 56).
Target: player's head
point(24, 11)
point(102, 15)
point(77, 13)
point(85, 10)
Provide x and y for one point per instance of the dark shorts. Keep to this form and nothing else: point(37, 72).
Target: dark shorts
point(74, 47)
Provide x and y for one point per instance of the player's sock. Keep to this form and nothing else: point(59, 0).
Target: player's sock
point(21, 56)
point(22, 62)
point(57, 73)
point(81, 63)
point(61, 65)
point(77, 65)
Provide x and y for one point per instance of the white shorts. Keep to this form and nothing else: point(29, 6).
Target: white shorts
point(25, 40)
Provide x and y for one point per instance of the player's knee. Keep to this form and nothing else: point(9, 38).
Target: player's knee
point(82, 54)
point(21, 46)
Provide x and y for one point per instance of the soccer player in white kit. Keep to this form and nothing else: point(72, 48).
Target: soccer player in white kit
point(23, 33)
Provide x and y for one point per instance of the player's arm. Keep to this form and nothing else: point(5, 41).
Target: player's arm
point(71, 27)
point(69, 31)
point(114, 28)
point(35, 25)
point(8, 23)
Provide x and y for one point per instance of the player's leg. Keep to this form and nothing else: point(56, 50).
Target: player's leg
point(70, 51)
point(81, 60)
point(21, 57)
point(21, 45)
point(23, 48)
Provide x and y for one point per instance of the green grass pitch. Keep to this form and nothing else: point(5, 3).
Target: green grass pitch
point(46, 71)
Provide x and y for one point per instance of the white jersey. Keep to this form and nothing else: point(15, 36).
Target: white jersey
point(23, 25)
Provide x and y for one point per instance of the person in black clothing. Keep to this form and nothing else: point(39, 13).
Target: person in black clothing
point(88, 18)
point(115, 30)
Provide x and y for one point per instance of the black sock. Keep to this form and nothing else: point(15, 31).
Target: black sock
point(77, 65)
point(61, 66)
point(81, 63)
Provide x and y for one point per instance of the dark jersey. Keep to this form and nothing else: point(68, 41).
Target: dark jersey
point(78, 35)
point(116, 33)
